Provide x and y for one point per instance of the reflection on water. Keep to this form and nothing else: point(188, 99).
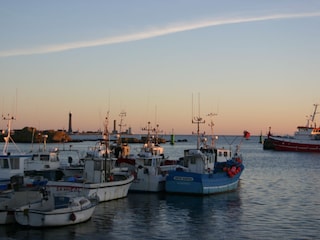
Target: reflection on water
point(202, 217)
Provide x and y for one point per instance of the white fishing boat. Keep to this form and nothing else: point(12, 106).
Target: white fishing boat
point(41, 167)
point(11, 163)
point(150, 166)
point(53, 164)
point(96, 181)
point(71, 162)
point(54, 211)
point(43, 159)
point(12, 191)
point(11, 167)
point(100, 177)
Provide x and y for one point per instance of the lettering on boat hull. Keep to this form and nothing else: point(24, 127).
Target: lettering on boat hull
point(186, 179)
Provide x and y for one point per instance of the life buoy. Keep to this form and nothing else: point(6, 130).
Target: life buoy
point(72, 217)
point(230, 173)
point(111, 178)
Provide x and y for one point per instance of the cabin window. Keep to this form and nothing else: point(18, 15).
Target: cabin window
point(83, 201)
point(193, 160)
point(44, 157)
point(61, 202)
point(97, 165)
point(15, 163)
point(225, 154)
point(147, 162)
point(4, 163)
point(220, 154)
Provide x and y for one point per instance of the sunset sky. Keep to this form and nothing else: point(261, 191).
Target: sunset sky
point(253, 63)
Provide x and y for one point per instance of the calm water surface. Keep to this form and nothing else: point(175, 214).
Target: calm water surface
point(278, 198)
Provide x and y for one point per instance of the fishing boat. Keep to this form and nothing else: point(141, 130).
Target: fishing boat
point(43, 165)
point(11, 163)
point(71, 162)
point(54, 211)
point(150, 166)
point(100, 179)
point(43, 159)
point(206, 169)
point(52, 164)
point(305, 139)
point(13, 193)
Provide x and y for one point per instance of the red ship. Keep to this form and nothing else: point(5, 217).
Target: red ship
point(305, 139)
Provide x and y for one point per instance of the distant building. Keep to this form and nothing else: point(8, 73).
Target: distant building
point(70, 123)
point(114, 131)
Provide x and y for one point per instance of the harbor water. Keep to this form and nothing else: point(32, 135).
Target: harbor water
point(278, 198)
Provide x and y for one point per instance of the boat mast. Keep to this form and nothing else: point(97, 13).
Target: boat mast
point(197, 120)
point(121, 115)
point(106, 144)
point(211, 124)
point(148, 140)
point(105, 136)
point(8, 137)
point(156, 130)
point(314, 112)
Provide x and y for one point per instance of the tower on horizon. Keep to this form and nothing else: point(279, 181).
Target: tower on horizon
point(70, 121)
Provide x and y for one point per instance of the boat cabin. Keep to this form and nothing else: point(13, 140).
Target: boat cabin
point(315, 134)
point(198, 161)
point(68, 201)
point(11, 165)
point(149, 162)
point(152, 148)
point(222, 155)
point(43, 161)
point(11, 170)
point(97, 170)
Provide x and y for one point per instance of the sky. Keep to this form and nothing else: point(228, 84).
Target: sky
point(252, 64)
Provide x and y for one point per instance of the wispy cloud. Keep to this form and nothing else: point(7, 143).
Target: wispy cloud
point(151, 33)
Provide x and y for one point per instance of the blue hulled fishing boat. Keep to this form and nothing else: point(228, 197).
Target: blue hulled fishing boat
point(206, 169)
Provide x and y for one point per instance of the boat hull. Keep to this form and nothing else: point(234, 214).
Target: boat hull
point(55, 218)
point(294, 145)
point(105, 191)
point(148, 184)
point(200, 184)
point(6, 217)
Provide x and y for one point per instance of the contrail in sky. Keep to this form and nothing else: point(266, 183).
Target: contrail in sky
point(151, 33)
